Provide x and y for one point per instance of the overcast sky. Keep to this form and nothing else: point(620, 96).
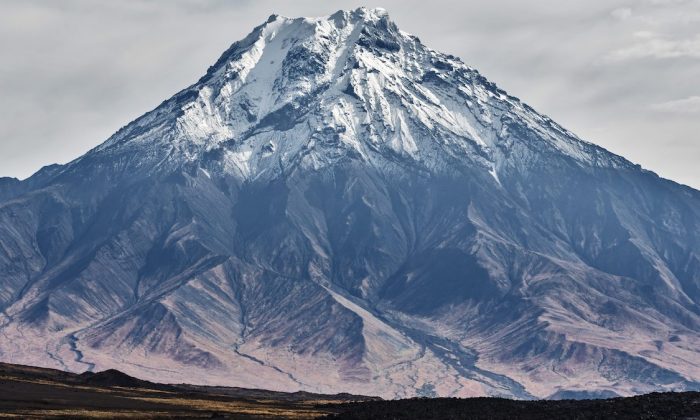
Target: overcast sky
point(622, 74)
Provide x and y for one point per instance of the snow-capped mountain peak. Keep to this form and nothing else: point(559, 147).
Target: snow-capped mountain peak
point(310, 91)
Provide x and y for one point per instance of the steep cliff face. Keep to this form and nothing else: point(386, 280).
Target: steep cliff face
point(336, 207)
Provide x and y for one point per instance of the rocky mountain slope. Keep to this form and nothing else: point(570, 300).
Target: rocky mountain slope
point(335, 207)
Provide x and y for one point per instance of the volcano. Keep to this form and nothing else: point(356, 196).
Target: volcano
point(335, 207)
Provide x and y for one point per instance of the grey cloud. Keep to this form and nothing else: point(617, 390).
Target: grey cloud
point(655, 46)
point(690, 105)
point(622, 13)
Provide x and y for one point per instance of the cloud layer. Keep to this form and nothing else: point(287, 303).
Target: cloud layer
point(622, 74)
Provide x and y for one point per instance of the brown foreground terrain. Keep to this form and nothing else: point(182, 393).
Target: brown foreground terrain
point(29, 392)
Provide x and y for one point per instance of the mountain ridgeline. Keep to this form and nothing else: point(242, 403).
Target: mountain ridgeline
point(335, 207)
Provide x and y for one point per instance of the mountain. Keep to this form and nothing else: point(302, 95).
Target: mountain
point(335, 207)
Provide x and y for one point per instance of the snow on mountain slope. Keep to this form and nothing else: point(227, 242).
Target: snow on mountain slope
point(352, 82)
point(336, 207)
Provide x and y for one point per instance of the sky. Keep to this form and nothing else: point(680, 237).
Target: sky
point(624, 74)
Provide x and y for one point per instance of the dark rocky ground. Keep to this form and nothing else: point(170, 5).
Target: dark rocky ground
point(685, 405)
point(29, 392)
